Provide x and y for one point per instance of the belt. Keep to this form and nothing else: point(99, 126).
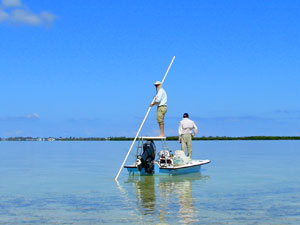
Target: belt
point(162, 106)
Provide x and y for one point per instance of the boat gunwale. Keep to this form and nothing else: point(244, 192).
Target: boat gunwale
point(176, 167)
point(185, 166)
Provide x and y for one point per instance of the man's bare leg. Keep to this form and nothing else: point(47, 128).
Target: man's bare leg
point(161, 127)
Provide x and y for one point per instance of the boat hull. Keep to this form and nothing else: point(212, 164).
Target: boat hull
point(193, 167)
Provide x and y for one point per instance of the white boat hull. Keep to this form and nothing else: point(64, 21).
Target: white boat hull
point(194, 166)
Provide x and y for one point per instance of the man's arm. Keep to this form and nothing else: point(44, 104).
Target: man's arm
point(157, 98)
point(179, 132)
point(195, 129)
point(180, 129)
point(154, 103)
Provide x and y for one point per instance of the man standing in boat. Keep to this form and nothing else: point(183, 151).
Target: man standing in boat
point(160, 99)
point(187, 129)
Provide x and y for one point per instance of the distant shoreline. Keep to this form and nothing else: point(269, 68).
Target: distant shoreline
point(170, 138)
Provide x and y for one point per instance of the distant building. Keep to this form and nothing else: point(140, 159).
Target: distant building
point(29, 139)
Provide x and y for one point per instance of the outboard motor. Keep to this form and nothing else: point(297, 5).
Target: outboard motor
point(147, 158)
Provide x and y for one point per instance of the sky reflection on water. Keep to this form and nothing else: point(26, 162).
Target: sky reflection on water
point(247, 182)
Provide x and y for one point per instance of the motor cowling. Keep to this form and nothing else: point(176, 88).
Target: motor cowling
point(148, 157)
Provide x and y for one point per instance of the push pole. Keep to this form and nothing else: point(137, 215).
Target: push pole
point(116, 178)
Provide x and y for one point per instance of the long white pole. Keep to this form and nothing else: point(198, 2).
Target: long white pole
point(116, 178)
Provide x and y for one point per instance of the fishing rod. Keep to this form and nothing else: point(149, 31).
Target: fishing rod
point(116, 178)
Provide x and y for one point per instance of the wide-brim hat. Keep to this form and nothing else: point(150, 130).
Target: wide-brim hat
point(157, 83)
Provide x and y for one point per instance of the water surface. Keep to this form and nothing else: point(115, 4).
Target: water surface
point(247, 182)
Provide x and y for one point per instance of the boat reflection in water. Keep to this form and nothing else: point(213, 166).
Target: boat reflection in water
point(168, 196)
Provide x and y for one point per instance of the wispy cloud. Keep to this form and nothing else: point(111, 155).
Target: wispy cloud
point(288, 112)
point(11, 3)
point(236, 118)
point(31, 116)
point(15, 12)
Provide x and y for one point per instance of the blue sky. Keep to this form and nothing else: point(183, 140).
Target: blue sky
point(87, 68)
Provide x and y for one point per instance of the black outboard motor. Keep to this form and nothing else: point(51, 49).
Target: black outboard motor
point(148, 156)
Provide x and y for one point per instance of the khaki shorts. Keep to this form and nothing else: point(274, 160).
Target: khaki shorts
point(160, 115)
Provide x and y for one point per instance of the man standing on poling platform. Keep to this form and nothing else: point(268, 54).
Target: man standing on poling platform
point(160, 99)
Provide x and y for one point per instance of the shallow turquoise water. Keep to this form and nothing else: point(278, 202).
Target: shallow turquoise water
point(247, 182)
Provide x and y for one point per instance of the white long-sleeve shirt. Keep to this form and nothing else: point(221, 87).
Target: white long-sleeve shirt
point(187, 126)
point(161, 97)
